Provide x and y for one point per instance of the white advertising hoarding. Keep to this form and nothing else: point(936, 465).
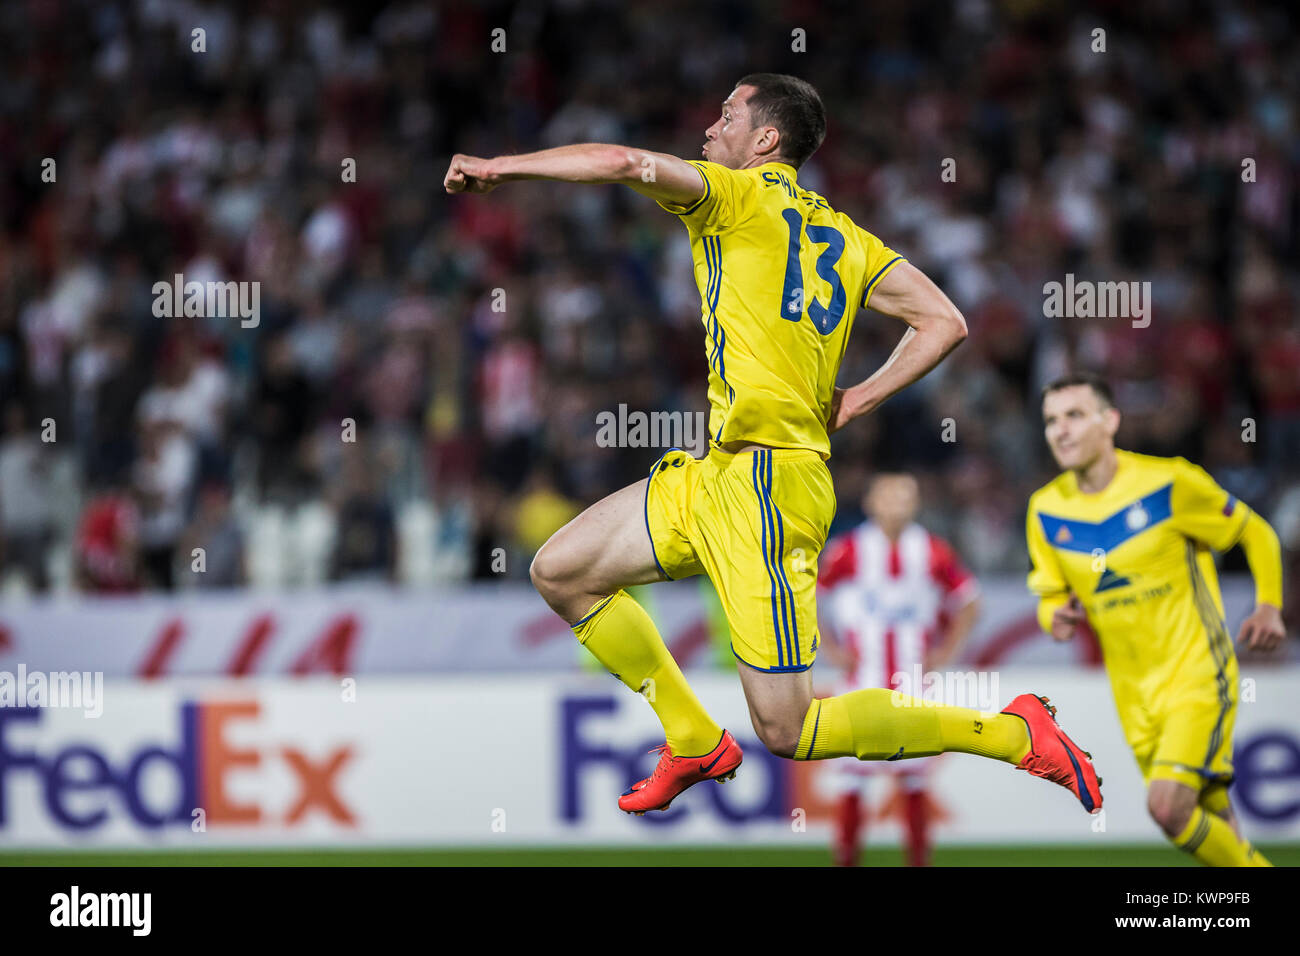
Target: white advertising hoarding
point(476, 760)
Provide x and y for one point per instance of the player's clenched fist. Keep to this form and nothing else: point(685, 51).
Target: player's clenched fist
point(1067, 618)
point(468, 174)
point(1263, 630)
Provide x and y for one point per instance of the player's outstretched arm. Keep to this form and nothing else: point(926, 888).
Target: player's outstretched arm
point(1263, 630)
point(936, 328)
point(1205, 512)
point(657, 175)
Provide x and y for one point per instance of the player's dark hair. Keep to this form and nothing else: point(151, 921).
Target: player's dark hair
point(1094, 381)
point(793, 106)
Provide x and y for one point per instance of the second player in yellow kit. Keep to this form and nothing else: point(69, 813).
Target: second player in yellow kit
point(1124, 541)
point(1138, 555)
point(780, 275)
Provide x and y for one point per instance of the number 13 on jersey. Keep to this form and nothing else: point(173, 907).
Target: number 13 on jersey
point(823, 318)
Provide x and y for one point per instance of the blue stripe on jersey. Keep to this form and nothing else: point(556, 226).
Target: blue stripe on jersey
point(762, 507)
point(707, 190)
point(713, 292)
point(1070, 534)
point(1220, 643)
point(645, 512)
point(871, 284)
point(778, 547)
point(714, 278)
point(787, 594)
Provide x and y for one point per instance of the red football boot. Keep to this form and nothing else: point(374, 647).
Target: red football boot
point(672, 775)
point(1054, 755)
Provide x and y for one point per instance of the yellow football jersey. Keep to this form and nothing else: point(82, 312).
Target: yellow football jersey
point(781, 275)
point(1138, 556)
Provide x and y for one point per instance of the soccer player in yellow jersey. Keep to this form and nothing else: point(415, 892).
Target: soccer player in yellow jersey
point(781, 276)
point(1124, 540)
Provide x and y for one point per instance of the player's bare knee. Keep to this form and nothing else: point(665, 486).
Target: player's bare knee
point(1171, 820)
point(560, 584)
point(547, 573)
point(779, 737)
point(785, 743)
point(537, 572)
point(1169, 812)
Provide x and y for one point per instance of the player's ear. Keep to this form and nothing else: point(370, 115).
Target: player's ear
point(1112, 420)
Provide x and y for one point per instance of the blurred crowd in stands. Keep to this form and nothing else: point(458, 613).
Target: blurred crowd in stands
point(422, 385)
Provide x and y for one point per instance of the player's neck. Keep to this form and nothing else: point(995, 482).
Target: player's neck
point(1095, 477)
point(756, 161)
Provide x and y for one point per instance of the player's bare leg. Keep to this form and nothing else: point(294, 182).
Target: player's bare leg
point(879, 724)
point(1209, 835)
point(581, 572)
point(1171, 805)
point(777, 705)
point(600, 551)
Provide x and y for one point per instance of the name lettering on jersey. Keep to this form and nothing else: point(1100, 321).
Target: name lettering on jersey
point(1074, 534)
point(793, 190)
point(1130, 600)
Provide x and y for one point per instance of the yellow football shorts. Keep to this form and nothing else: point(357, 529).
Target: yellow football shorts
point(755, 523)
point(1189, 738)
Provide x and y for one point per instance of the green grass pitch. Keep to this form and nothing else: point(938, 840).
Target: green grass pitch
point(1046, 855)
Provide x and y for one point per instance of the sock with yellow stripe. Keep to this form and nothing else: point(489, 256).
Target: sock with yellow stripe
point(1211, 840)
point(625, 640)
point(880, 724)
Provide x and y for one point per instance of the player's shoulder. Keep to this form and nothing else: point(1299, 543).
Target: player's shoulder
point(1155, 463)
point(1055, 492)
point(1173, 468)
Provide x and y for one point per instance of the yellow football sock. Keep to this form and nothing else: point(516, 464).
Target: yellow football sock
point(622, 637)
point(1211, 840)
point(880, 724)
point(1214, 798)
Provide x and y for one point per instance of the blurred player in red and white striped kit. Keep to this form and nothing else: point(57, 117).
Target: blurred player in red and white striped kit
point(899, 601)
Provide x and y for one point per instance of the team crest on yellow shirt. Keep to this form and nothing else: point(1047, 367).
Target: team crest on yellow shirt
point(1136, 518)
point(1063, 535)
